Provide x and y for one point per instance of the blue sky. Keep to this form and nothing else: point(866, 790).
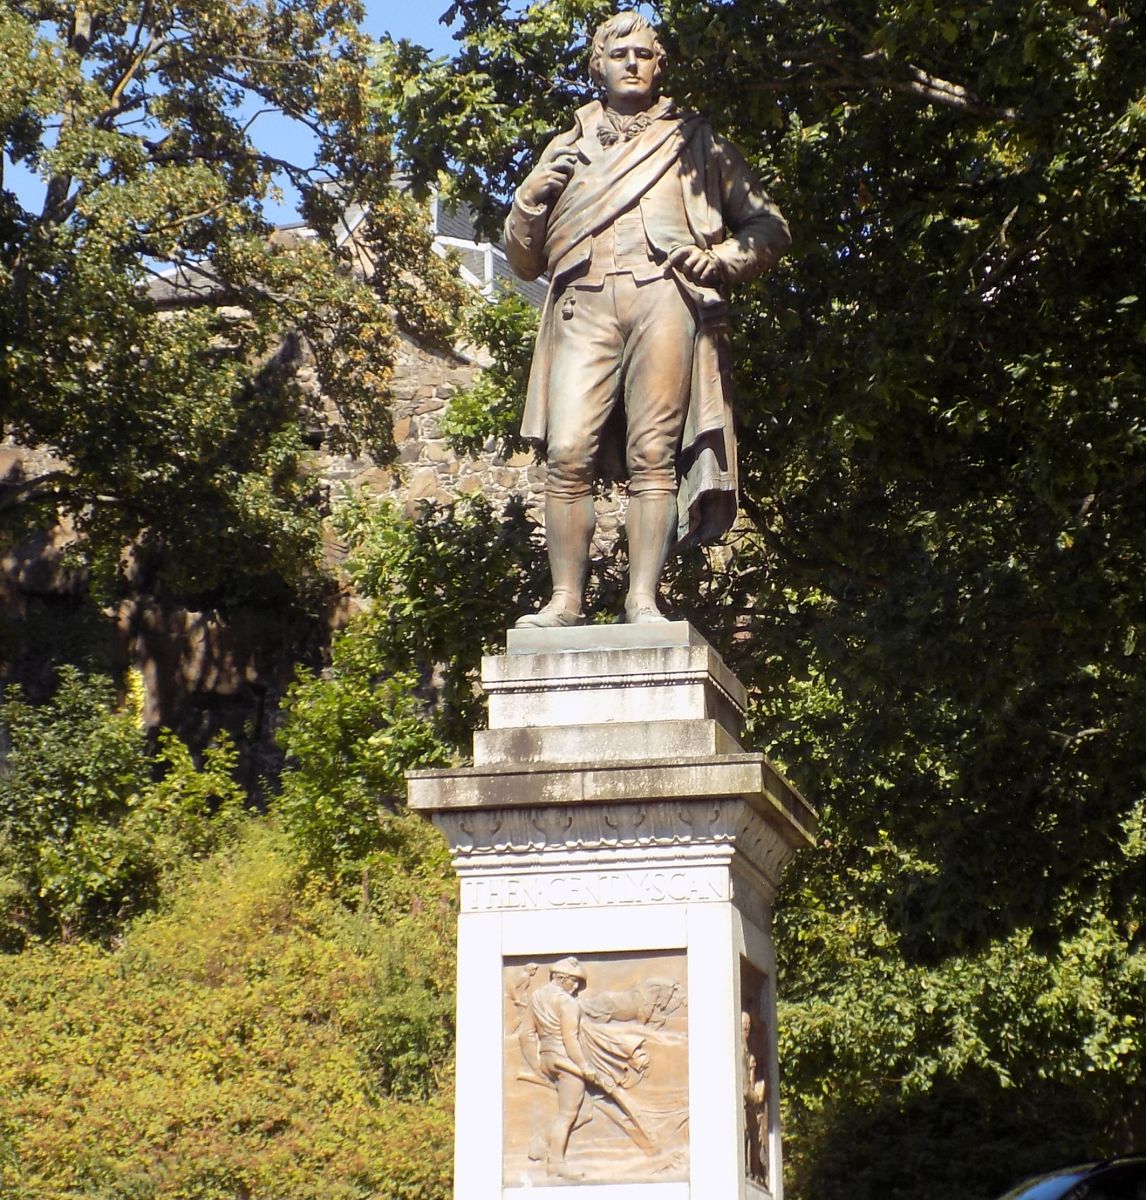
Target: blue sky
point(413, 19)
point(417, 20)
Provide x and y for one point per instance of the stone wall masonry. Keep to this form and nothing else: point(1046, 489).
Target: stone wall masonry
point(427, 468)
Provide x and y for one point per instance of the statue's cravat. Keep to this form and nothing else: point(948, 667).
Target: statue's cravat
point(617, 127)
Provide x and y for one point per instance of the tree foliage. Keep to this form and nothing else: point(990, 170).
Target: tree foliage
point(439, 585)
point(400, 690)
point(183, 974)
point(491, 407)
point(179, 431)
point(935, 594)
point(349, 737)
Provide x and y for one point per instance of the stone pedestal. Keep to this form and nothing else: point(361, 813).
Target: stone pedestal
point(619, 854)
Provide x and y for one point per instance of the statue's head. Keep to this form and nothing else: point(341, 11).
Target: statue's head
point(627, 59)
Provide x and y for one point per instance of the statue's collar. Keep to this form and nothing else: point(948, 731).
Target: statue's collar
point(663, 106)
point(590, 115)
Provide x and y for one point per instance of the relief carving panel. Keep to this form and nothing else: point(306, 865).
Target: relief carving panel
point(595, 1069)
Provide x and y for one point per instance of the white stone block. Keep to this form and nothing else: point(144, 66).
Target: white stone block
point(620, 742)
point(594, 678)
point(611, 816)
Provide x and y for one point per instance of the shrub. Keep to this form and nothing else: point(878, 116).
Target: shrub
point(228, 1049)
point(90, 822)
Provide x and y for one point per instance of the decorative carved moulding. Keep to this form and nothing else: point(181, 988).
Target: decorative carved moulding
point(704, 811)
point(615, 836)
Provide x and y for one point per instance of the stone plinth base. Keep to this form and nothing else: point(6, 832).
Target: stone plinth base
point(619, 853)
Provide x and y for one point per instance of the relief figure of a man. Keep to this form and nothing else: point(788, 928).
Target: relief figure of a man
point(553, 1026)
point(643, 218)
point(588, 1063)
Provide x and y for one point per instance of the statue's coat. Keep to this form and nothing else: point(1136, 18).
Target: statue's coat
point(725, 211)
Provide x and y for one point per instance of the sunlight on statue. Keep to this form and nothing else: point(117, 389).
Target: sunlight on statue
point(643, 218)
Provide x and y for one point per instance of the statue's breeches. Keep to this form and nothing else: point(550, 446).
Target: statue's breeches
point(619, 340)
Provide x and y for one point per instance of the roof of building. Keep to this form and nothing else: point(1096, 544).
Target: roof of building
point(483, 264)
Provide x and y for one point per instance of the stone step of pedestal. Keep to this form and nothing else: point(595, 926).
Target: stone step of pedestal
point(606, 674)
point(626, 741)
point(586, 638)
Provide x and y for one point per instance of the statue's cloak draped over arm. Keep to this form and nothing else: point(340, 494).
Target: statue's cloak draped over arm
point(727, 212)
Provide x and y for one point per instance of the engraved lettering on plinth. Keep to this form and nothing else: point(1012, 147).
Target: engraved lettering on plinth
point(595, 1069)
point(593, 889)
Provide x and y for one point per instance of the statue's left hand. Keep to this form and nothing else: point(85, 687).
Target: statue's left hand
point(699, 266)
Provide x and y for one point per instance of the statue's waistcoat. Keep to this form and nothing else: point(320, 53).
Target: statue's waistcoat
point(640, 239)
point(646, 174)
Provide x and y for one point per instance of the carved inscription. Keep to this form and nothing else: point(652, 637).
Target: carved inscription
point(596, 1069)
point(594, 889)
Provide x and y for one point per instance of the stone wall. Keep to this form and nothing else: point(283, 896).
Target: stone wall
point(427, 469)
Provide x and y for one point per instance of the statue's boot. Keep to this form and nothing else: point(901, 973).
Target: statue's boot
point(651, 526)
point(555, 615)
point(569, 525)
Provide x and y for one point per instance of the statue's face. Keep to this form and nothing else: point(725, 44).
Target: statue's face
point(631, 71)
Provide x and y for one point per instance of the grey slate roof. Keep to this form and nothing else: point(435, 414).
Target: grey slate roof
point(484, 262)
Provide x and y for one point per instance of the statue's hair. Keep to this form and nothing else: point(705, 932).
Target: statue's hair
point(619, 25)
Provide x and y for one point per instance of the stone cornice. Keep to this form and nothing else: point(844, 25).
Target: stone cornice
point(682, 833)
point(749, 776)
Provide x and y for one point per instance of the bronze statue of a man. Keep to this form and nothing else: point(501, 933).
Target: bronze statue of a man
point(643, 219)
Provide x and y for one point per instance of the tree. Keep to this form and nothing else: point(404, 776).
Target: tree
point(299, 1048)
point(935, 594)
point(178, 432)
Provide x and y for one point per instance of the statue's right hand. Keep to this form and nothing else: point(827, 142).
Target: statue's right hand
point(549, 178)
